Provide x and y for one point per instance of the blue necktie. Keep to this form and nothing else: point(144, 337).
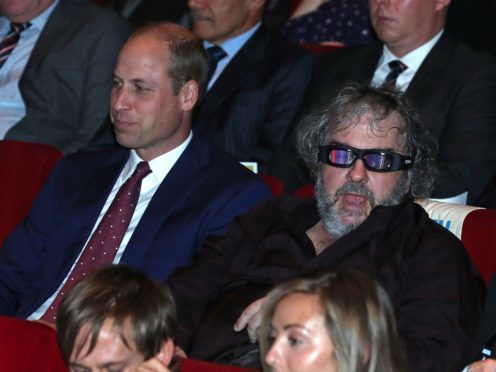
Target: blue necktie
point(215, 54)
point(396, 68)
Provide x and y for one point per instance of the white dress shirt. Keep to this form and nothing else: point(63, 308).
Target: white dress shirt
point(413, 60)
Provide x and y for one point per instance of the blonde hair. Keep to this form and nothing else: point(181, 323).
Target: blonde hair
point(358, 315)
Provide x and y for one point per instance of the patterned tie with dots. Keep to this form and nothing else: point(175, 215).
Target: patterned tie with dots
point(396, 67)
point(107, 238)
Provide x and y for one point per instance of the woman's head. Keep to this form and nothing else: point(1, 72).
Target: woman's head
point(333, 321)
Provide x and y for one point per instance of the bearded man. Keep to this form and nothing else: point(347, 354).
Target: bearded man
point(370, 156)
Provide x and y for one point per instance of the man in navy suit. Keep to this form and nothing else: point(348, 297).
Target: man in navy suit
point(453, 87)
point(193, 190)
point(256, 87)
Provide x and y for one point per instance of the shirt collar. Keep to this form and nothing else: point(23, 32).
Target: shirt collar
point(232, 46)
point(413, 59)
point(161, 165)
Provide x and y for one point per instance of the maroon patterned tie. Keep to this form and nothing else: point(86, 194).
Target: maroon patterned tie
point(107, 238)
point(10, 40)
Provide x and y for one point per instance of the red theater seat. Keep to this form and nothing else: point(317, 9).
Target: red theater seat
point(24, 168)
point(27, 346)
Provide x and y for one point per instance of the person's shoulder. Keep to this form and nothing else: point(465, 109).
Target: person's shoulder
point(87, 13)
point(93, 158)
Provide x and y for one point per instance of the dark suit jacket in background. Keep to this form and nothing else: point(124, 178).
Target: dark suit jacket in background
point(204, 190)
point(67, 80)
point(250, 107)
point(455, 91)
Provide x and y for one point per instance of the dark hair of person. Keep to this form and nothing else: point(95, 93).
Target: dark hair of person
point(352, 103)
point(127, 297)
point(188, 59)
point(358, 315)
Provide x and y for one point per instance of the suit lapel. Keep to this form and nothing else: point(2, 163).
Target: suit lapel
point(233, 76)
point(55, 28)
point(173, 193)
point(92, 196)
point(430, 69)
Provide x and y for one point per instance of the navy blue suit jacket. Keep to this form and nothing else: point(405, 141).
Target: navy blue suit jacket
point(202, 193)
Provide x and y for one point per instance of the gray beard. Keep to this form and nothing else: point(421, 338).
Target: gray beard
point(332, 217)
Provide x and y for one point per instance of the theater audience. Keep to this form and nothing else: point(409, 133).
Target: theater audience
point(257, 84)
point(370, 155)
point(56, 63)
point(453, 87)
point(333, 321)
point(149, 204)
point(336, 22)
point(117, 319)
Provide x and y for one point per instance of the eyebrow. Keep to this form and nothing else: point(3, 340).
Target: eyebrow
point(374, 148)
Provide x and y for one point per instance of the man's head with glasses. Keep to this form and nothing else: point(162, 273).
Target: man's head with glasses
point(365, 147)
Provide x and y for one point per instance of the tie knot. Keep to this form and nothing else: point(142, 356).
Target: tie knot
point(18, 27)
point(397, 66)
point(142, 170)
point(216, 53)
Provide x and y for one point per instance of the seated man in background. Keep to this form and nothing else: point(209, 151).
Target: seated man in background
point(117, 319)
point(257, 79)
point(453, 87)
point(56, 63)
point(370, 155)
point(149, 205)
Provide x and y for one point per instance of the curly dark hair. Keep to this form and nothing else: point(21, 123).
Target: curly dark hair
point(348, 106)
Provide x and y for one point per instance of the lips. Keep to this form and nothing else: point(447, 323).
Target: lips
point(355, 200)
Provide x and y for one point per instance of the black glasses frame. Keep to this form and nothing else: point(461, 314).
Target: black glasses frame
point(397, 161)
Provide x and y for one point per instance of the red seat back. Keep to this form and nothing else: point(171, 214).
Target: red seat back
point(27, 346)
point(193, 365)
point(24, 168)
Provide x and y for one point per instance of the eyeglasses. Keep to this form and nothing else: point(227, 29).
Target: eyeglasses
point(375, 160)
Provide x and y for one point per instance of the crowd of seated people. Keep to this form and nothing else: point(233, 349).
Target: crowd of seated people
point(169, 203)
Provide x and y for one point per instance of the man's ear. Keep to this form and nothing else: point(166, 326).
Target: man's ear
point(256, 4)
point(442, 4)
point(189, 95)
point(166, 352)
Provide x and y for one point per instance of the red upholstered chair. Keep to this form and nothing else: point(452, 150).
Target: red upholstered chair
point(24, 168)
point(27, 346)
point(192, 365)
point(275, 185)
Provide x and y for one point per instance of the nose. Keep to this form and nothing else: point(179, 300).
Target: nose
point(273, 357)
point(358, 172)
point(119, 99)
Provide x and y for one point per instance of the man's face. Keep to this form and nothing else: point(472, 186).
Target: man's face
point(220, 20)
point(109, 354)
point(146, 114)
point(23, 10)
point(404, 25)
point(346, 196)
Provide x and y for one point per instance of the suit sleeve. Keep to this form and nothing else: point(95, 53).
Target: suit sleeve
point(21, 256)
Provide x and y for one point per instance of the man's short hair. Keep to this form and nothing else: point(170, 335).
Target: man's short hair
point(348, 106)
point(188, 59)
point(127, 297)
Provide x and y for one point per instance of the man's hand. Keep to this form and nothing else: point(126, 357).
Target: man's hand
point(251, 318)
point(488, 365)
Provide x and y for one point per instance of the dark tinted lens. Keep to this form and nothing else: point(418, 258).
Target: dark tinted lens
point(378, 161)
point(341, 156)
